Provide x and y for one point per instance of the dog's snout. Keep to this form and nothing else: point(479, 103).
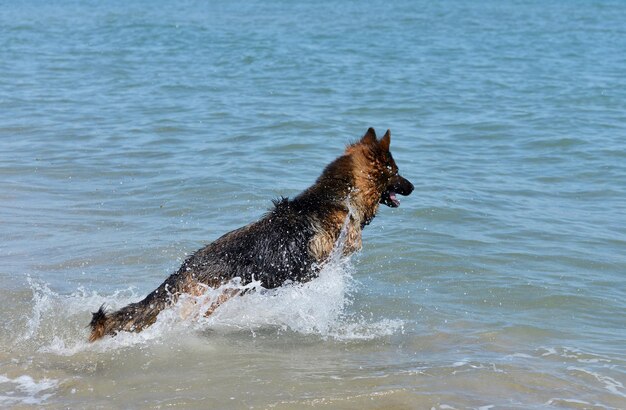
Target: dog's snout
point(410, 187)
point(402, 186)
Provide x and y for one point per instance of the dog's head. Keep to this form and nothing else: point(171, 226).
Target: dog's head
point(382, 169)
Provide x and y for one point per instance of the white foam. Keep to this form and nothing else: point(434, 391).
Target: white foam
point(25, 390)
point(317, 307)
point(518, 356)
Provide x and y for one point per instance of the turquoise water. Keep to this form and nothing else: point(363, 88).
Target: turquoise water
point(131, 135)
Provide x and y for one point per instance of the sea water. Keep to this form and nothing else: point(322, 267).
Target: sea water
point(133, 133)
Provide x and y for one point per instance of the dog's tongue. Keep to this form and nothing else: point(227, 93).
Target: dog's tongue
point(392, 196)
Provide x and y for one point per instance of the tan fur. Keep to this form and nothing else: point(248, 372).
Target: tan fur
point(321, 245)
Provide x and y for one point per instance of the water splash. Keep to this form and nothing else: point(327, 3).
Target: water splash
point(57, 323)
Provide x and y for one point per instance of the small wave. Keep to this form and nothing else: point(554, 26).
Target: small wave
point(576, 404)
point(574, 354)
point(609, 383)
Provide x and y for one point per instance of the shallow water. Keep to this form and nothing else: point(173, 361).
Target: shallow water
point(131, 135)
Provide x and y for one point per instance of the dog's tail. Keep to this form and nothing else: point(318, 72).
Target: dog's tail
point(136, 316)
point(98, 324)
point(132, 318)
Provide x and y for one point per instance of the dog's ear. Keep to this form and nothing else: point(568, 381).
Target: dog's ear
point(369, 137)
point(385, 141)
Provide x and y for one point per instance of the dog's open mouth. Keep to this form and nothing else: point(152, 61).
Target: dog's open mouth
point(389, 198)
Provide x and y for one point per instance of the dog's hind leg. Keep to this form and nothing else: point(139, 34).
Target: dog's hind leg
point(227, 294)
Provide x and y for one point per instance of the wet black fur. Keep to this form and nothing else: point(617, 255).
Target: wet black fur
point(272, 250)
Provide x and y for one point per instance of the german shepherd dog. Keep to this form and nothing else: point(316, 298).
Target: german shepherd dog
point(290, 243)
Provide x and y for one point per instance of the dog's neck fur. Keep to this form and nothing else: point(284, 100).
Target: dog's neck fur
point(350, 183)
point(367, 188)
